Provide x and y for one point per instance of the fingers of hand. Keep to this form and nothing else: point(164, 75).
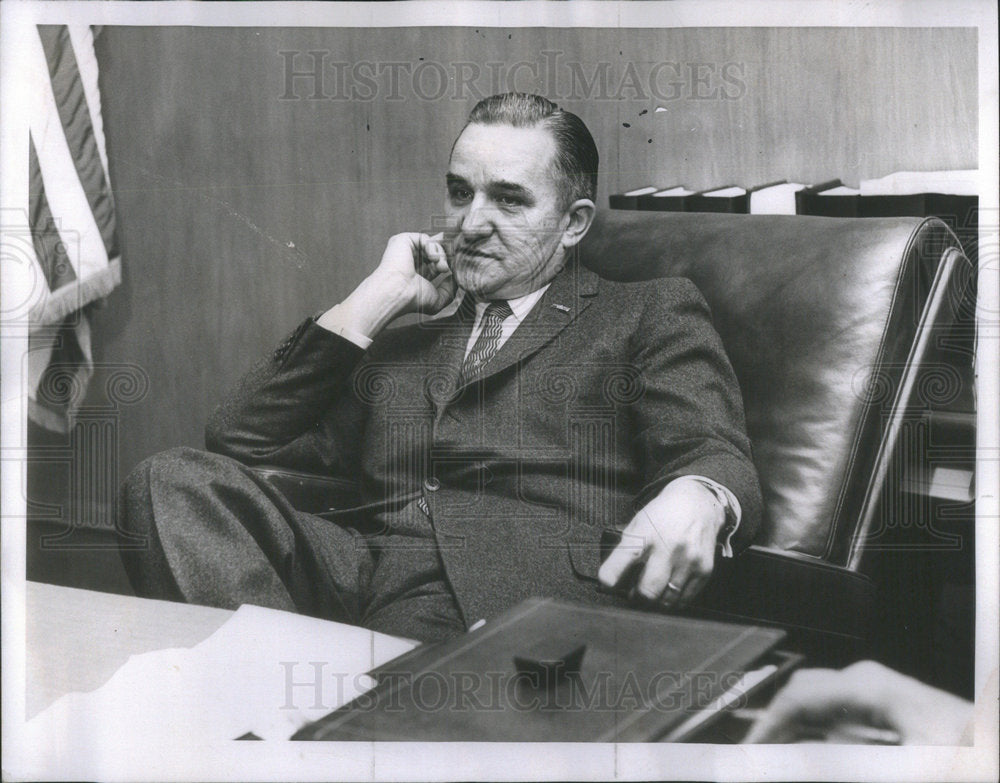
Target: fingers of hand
point(779, 723)
point(677, 564)
point(445, 287)
point(810, 701)
point(693, 588)
point(689, 566)
point(677, 569)
point(430, 257)
point(659, 577)
point(629, 551)
point(769, 728)
point(402, 250)
point(415, 252)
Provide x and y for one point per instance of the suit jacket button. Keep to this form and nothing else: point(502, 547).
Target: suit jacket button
point(432, 484)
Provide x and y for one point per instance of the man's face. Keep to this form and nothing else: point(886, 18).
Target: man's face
point(505, 217)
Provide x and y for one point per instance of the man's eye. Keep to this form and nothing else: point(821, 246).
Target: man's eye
point(459, 195)
point(509, 201)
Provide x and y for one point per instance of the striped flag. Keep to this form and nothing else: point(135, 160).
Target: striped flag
point(71, 216)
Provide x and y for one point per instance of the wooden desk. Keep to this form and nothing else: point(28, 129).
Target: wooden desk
point(78, 639)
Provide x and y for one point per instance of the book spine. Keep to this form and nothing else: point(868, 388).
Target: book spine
point(832, 206)
point(621, 201)
point(914, 205)
point(805, 197)
point(731, 204)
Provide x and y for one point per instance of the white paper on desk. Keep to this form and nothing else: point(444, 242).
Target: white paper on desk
point(904, 183)
point(234, 682)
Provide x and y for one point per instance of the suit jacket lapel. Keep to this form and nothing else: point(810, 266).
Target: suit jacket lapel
point(449, 349)
point(569, 295)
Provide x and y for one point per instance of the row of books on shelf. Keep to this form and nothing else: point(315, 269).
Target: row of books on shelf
point(952, 195)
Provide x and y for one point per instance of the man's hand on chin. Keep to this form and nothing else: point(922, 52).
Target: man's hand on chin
point(671, 542)
point(412, 276)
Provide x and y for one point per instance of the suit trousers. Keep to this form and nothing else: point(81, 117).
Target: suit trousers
point(217, 535)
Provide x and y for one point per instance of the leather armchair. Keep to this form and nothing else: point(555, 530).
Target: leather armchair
point(828, 323)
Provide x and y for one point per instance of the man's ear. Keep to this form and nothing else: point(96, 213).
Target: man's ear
point(581, 215)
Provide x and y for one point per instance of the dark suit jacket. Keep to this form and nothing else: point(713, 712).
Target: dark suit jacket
point(606, 392)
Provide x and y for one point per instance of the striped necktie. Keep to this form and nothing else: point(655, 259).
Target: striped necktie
point(488, 342)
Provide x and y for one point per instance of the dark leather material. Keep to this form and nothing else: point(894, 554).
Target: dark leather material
point(640, 677)
point(795, 592)
point(310, 492)
point(818, 316)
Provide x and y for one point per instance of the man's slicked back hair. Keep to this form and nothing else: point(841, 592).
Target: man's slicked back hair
point(576, 153)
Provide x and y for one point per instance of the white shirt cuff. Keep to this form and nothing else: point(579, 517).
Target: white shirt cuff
point(335, 320)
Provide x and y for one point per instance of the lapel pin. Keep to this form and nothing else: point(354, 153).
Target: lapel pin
point(561, 308)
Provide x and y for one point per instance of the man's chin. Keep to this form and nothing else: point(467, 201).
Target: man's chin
point(476, 284)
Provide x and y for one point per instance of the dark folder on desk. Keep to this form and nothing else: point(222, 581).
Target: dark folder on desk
point(641, 676)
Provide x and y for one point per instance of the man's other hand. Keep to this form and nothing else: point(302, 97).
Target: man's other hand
point(819, 704)
point(672, 540)
point(413, 276)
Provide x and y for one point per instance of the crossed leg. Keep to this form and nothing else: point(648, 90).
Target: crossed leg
point(216, 534)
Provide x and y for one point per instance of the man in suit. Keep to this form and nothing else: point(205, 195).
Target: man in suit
point(493, 444)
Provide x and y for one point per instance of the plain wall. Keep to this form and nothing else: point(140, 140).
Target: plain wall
point(242, 210)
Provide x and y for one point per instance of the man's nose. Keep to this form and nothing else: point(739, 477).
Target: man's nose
point(477, 220)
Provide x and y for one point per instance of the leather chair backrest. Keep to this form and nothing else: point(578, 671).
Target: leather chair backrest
point(819, 317)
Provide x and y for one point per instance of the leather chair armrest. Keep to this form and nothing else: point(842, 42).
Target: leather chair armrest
point(310, 492)
point(826, 608)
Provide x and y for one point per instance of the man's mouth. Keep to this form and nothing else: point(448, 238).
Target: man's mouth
point(476, 253)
